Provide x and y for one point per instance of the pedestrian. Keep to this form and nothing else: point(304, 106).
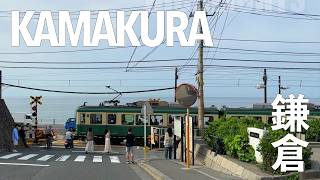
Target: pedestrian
point(107, 144)
point(168, 143)
point(130, 139)
point(89, 146)
point(69, 139)
point(49, 136)
point(15, 137)
point(22, 134)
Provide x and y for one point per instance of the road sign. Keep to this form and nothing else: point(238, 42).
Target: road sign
point(149, 109)
point(177, 126)
point(154, 131)
point(186, 95)
point(190, 133)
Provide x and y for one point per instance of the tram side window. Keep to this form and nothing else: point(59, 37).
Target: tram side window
point(171, 120)
point(127, 119)
point(156, 120)
point(112, 118)
point(82, 118)
point(95, 118)
point(139, 120)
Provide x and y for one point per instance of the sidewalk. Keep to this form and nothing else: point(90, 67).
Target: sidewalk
point(171, 169)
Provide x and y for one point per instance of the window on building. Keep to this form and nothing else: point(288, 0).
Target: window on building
point(127, 119)
point(112, 118)
point(82, 118)
point(95, 118)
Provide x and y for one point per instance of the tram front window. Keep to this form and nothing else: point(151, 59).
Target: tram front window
point(82, 118)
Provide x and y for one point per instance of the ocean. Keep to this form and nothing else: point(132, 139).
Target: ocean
point(59, 108)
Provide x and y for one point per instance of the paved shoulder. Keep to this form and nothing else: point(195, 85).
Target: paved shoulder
point(177, 171)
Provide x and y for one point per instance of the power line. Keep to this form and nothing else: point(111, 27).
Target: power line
point(161, 67)
point(268, 41)
point(269, 51)
point(135, 49)
point(96, 93)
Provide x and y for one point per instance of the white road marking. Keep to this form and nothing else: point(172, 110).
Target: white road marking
point(113, 152)
point(28, 157)
point(10, 155)
point(97, 158)
point(80, 159)
point(114, 159)
point(21, 164)
point(205, 174)
point(63, 158)
point(45, 158)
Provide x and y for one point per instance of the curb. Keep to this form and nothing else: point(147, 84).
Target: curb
point(153, 172)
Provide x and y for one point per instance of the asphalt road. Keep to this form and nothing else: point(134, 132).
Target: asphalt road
point(58, 164)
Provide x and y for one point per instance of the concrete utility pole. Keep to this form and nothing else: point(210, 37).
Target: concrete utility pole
point(279, 82)
point(0, 84)
point(175, 84)
point(265, 85)
point(280, 86)
point(200, 79)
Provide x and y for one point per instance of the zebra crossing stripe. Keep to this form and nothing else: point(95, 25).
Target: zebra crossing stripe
point(29, 156)
point(63, 158)
point(97, 158)
point(10, 155)
point(114, 159)
point(80, 159)
point(45, 158)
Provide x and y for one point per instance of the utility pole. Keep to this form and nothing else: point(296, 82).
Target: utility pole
point(0, 84)
point(175, 100)
point(280, 86)
point(265, 85)
point(279, 83)
point(175, 84)
point(200, 78)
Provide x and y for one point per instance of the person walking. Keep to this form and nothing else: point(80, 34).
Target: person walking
point(15, 137)
point(130, 139)
point(168, 143)
point(89, 146)
point(49, 136)
point(107, 144)
point(22, 134)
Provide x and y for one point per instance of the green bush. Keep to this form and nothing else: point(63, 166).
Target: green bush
point(313, 133)
point(270, 153)
point(233, 131)
point(240, 148)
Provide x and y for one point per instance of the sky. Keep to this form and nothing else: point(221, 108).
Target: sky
point(232, 23)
